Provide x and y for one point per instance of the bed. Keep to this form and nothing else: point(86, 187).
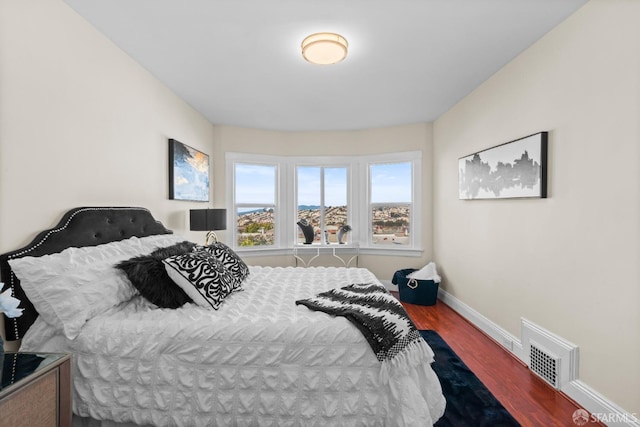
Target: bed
point(259, 359)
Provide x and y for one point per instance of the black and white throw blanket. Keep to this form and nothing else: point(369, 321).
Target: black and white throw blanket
point(380, 317)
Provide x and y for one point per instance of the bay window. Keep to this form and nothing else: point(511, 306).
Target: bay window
point(377, 196)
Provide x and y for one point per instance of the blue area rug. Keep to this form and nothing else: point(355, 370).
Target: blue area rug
point(469, 402)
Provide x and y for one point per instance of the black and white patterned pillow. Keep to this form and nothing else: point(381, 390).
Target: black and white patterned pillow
point(228, 258)
point(202, 277)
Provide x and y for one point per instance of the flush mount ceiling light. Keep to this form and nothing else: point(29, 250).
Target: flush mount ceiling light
point(324, 48)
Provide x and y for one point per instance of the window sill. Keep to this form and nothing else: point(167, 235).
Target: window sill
point(408, 252)
point(401, 252)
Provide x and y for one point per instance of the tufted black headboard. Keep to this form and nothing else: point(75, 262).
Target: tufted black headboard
point(87, 226)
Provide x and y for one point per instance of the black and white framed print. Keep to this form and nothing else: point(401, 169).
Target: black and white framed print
point(516, 169)
point(188, 173)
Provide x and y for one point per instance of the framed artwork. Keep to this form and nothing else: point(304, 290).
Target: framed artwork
point(516, 169)
point(188, 173)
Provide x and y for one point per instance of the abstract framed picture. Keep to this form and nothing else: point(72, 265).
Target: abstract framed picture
point(188, 173)
point(516, 169)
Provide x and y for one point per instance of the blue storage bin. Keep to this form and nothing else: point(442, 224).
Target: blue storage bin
point(412, 291)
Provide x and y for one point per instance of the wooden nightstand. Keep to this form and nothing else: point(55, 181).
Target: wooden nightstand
point(35, 390)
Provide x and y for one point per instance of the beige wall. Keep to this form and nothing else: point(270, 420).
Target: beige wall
point(81, 123)
point(570, 262)
point(373, 141)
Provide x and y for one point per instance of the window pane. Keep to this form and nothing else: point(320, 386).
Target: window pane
point(255, 192)
point(335, 202)
point(391, 224)
point(391, 198)
point(391, 182)
point(322, 201)
point(309, 199)
point(255, 183)
point(308, 182)
point(256, 226)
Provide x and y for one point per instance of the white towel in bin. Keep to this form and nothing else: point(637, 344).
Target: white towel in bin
point(428, 272)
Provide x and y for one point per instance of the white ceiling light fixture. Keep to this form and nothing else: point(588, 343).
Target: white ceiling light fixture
point(324, 48)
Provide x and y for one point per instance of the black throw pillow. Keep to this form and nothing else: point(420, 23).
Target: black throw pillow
point(148, 275)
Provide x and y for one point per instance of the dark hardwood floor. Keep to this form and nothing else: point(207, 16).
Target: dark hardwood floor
point(529, 399)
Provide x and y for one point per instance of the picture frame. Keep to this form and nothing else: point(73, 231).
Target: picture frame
point(516, 169)
point(188, 173)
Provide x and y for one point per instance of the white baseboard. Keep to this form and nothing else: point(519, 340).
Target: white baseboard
point(599, 406)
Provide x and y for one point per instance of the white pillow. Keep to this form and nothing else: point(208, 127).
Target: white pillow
point(70, 287)
point(204, 278)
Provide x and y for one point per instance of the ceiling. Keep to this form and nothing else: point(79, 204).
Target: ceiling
point(238, 62)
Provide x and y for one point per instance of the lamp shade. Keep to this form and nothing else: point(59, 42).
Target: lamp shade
point(207, 219)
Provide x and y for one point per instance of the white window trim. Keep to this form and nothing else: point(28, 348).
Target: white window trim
point(415, 158)
point(358, 199)
point(280, 214)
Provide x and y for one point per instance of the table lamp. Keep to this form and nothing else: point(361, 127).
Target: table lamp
point(208, 220)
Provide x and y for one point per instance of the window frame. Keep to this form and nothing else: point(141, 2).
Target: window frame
point(233, 159)
point(415, 210)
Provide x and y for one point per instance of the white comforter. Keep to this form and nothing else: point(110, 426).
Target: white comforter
point(259, 360)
